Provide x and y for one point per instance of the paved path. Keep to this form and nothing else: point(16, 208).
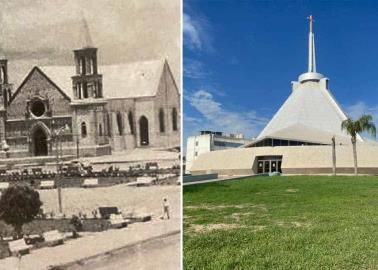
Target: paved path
point(220, 179)
point(154, 254)
point(92, 245)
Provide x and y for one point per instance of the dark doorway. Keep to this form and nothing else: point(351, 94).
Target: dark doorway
point(143, 130)
point(40, 142)
point(269, 164)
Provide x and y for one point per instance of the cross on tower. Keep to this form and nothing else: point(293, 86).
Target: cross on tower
point(311, 20)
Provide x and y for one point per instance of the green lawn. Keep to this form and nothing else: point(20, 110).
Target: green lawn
point(298, 222)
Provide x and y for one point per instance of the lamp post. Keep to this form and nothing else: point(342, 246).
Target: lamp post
point(57, 135)
point(5, 148)
point(77, 146)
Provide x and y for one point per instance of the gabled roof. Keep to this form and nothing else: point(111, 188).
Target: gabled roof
point(26, 79)
point(130, 80)
point(310, 111)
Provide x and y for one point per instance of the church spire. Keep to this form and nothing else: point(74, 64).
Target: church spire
point(86, 38)
point(311, 47)
point(311, 74)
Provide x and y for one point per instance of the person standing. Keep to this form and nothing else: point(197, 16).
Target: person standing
point(165, 208)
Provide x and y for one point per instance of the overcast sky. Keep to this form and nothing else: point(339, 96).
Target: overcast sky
point(42, 32)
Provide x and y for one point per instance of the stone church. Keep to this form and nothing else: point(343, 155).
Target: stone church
point(89, 110)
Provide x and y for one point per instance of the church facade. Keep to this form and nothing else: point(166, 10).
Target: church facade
point(87, 110)
point(299, 138)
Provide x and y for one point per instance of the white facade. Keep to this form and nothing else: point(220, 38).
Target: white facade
point(310, 115)
point(209, 141)
point(298, 138)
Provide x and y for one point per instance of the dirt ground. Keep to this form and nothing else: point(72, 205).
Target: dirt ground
point(127, 199)
point(162, 254)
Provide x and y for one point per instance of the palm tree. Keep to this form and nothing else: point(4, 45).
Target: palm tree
point(364, 123)
point(334, 155)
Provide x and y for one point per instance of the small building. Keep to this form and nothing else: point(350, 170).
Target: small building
point(209, 141)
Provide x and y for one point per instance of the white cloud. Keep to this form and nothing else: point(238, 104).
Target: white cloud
point(215, 117)
point(191, 30)
point(193, 69)
point(356, 110)
point(197, 33)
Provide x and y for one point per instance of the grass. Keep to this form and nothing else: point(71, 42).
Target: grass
point(292, 222)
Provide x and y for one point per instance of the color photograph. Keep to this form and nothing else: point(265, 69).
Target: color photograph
point(279, 135)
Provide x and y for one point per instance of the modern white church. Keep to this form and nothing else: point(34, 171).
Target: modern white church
point(298, 139)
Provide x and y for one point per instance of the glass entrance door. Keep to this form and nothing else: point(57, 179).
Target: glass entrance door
point(260, 168)
point(266, 166)
point(273, 166)
point(269, 164)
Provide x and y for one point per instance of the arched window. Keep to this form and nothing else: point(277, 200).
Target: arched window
point(83, 130)
point(131, 122)
point(85, 90)
point(143, 131)
point(174, 119)
point(161, 121)
point(100, 129)
point(83, 65)
point(120, 123)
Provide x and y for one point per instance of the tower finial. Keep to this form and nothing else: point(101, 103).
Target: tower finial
point(311, 74)
point(311, 47)
point(310, 20)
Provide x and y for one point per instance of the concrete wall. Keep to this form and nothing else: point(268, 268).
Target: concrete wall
point(196, 145)
point(295, 159)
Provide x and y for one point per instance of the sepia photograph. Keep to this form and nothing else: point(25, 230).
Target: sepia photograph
point(188, 134)
point(90, 134)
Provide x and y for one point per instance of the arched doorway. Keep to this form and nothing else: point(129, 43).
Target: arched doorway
point(143, 131)
point(40, 142)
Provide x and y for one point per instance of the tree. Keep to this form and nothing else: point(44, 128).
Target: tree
point(353, 127)
point(19, 204)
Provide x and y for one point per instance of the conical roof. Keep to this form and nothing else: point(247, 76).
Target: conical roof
point(311, 111)
point(85, 34)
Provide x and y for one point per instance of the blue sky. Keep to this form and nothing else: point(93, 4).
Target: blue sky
point(240, 57)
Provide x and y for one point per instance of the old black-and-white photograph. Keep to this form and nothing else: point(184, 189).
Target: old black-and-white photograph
point(90, 134)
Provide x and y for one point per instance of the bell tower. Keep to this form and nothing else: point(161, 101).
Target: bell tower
point(88, 103)
point(86, 83)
